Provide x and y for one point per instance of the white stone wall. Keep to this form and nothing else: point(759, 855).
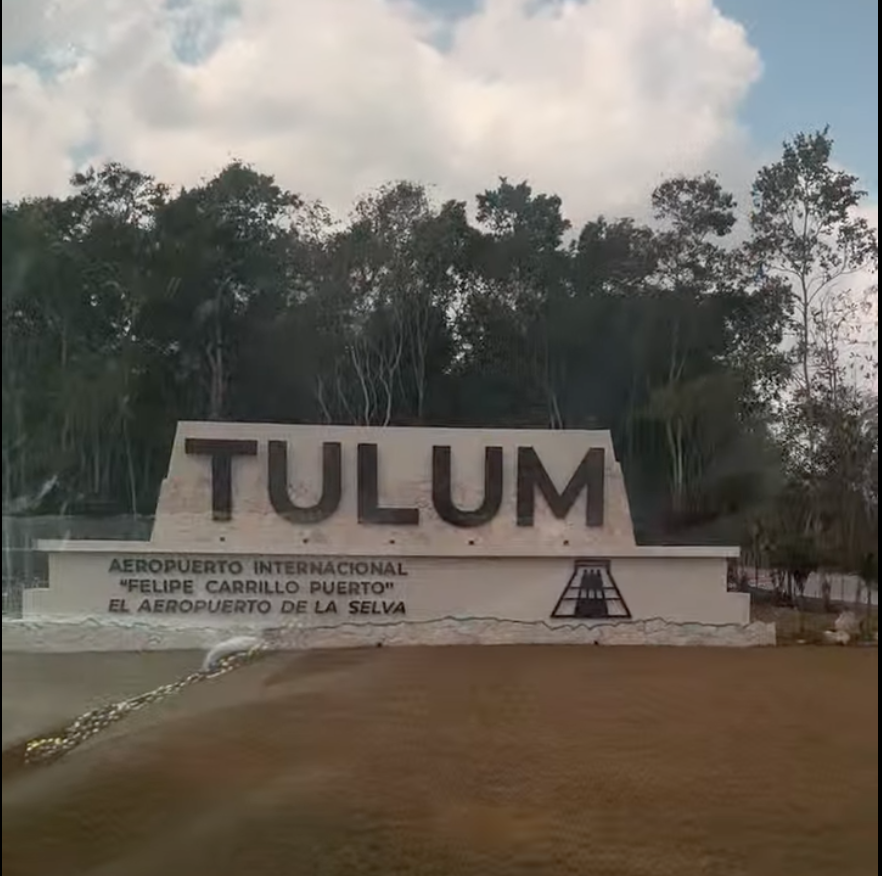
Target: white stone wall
point(675, 589)
point(91, 634)
point(496, 583)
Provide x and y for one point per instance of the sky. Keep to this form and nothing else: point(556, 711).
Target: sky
point(820, 66)
point(596, 100)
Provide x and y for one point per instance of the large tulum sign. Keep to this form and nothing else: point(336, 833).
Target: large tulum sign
point(385, 529)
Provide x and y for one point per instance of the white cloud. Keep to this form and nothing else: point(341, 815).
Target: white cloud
point(595, 100)
point(39, 128)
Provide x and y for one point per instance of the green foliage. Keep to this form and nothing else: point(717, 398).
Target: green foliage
point(869, 570)
point(128, 307)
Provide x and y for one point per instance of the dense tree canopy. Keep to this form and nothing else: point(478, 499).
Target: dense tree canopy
point(712, 351)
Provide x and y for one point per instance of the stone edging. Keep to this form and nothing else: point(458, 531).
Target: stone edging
point(93, 634)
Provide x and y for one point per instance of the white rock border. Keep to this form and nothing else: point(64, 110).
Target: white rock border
point(68, 635)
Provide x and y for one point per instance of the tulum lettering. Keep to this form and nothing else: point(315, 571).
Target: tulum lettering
point(532, 477)
point(332, 484)
point(369, 508)
point(221, 451)
point(442, 492)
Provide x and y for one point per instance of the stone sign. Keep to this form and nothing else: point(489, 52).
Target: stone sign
point(325, 527)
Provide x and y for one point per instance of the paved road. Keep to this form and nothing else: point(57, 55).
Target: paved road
point(41, 691)
point(843, 588)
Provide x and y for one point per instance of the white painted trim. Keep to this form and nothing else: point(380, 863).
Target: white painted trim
point(648, 552)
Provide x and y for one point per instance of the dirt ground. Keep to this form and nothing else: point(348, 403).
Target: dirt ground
point(796, 627)
point(484, 761)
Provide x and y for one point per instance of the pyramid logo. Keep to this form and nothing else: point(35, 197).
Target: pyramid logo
point(591, 594)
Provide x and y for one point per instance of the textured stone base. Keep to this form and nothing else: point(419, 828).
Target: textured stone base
point(90, 634)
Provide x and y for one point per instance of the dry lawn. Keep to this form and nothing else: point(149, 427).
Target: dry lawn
point(807, 627)
point(484, 761)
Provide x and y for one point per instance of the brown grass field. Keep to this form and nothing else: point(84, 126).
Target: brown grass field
point(807, 627)
point(484, 761)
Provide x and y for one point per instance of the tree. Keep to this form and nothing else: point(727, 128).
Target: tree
point(705, 386)
point(505, 325)
point(807, 235)
point(388, 284)
point(129, 306)
point(869, 573)
point(223, 251)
